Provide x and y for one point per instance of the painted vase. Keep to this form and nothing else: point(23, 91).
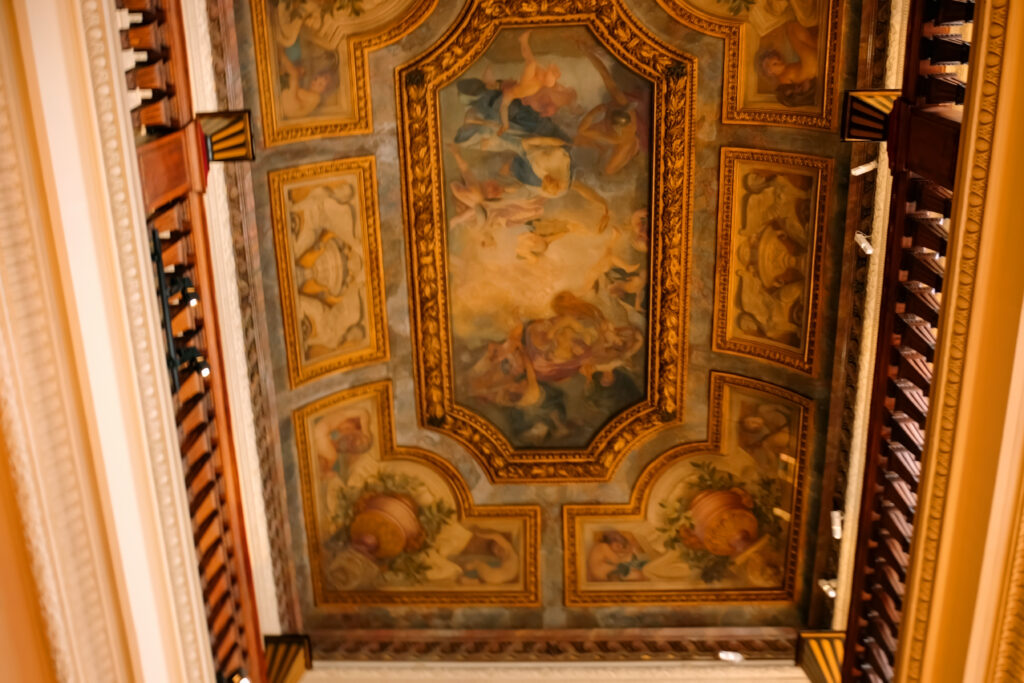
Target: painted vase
point(723, 521)
point(386, 525)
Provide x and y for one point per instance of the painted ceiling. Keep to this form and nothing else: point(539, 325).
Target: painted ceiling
point(548, 291)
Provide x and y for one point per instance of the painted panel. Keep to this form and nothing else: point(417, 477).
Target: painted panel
point(546, 167)
point(780, 57)
point(327, 239)
point(311, 59)
point(546, 342)
point(772, 218)
point(387, 525)
point(710, 522)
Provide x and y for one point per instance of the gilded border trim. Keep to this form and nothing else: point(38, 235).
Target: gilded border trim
point(637, 507)
point(530, 514)
point(942, 424)
point(359, 46)
point(300, 372)
point(735, 34)
point(674, 78)
point(802, 361)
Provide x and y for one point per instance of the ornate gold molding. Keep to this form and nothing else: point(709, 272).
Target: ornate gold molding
point(674, 77)
point(979, 125)
point(801, 358)
point(357, 46)
point(735, 31)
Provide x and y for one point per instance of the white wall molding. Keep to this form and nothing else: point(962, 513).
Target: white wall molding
point(39, 417)
point(89, 170)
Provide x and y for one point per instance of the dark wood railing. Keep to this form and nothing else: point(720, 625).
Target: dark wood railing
point(923, 140)
point(172, 167)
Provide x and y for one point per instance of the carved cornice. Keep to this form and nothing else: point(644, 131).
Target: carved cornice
point(554, 645)
point(102, 42)
point(979, 125)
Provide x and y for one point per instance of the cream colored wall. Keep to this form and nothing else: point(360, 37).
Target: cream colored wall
point(24, 648)
point(85, 410)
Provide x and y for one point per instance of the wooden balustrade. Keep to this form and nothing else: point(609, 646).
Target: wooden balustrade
point(923, 143)
point(172, 167)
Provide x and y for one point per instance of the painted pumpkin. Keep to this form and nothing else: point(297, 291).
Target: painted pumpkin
point(386, 525)
point(723, 521)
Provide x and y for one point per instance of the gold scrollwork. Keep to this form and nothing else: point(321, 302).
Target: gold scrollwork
point(673, 75)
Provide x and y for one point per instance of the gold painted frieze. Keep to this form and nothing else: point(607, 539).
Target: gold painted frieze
point(311, 62)
point(547, 159)
point(327, 243)
point(719, 521)
point(388, 525)
point(773, 211)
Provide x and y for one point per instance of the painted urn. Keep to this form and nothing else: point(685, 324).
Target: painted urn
point(385, 525)
point(723, 523)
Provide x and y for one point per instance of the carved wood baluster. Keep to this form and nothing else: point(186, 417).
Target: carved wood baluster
point(173, 169)
point(923, 146)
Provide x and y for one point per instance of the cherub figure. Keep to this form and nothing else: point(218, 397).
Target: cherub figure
point(611, 127)
point(795, 81)
point(537, 87)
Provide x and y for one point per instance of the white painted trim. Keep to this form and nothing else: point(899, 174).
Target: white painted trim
point(91, 181)
point(570, 672)
point(231, 332)
point(40, 419)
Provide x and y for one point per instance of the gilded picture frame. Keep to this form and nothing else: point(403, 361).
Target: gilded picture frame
point(672, 76)
point(574, 516)
point(375, 400)
point(788, 290)
point(357, 176)
point(739, 36)
point(364, 36)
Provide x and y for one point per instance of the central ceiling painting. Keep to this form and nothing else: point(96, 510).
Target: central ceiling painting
point(547, 291)
point(545, 341)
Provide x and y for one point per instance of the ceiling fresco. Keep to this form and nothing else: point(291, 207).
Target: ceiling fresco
point(544, 339)
point(549, 293)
